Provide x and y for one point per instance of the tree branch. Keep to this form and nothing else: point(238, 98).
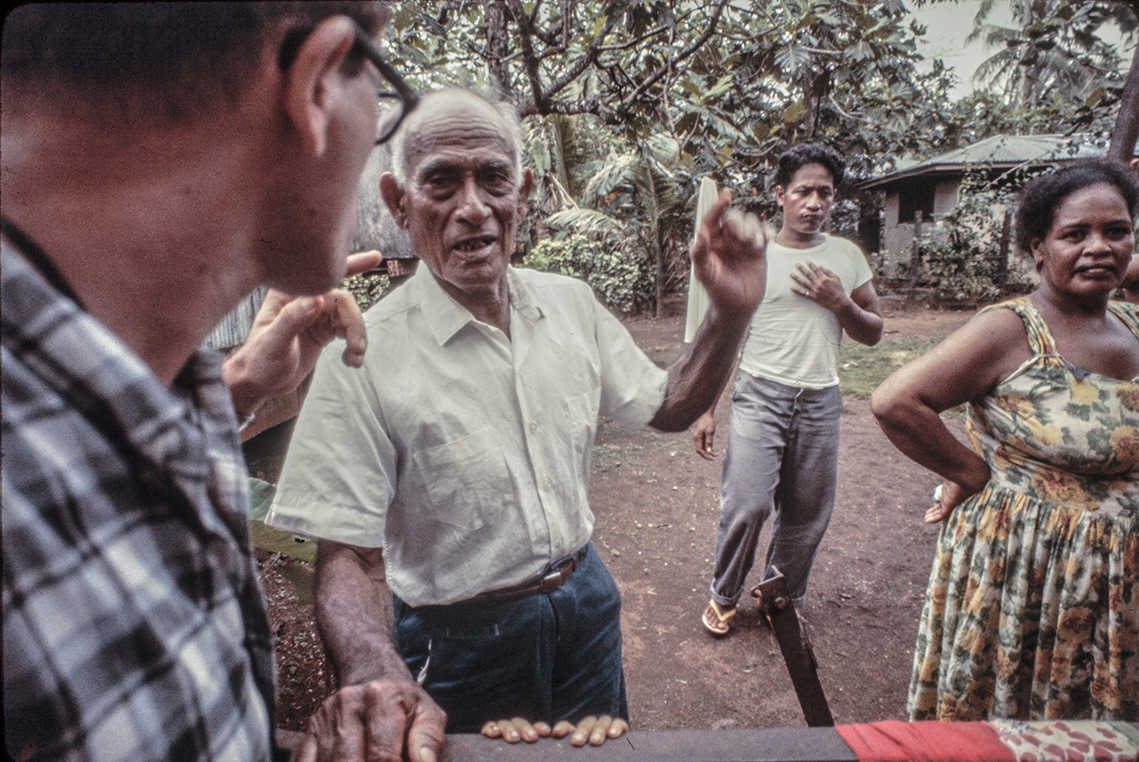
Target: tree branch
point(653, 78)
point(587, 58)
point(529, 61)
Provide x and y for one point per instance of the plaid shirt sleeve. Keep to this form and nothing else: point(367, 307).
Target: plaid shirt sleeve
point(134, 626)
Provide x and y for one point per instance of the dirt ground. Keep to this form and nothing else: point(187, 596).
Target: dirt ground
point(656, 504)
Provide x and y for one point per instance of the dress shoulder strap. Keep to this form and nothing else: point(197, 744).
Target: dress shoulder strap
point(1039, 337)
point(1127, 313)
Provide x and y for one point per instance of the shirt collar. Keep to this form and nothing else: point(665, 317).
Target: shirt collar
point(445, 317)
point(111, 374)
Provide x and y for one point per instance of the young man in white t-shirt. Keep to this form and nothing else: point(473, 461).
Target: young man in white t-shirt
point(782, 452)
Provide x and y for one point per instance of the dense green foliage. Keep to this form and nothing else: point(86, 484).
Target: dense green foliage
point(367, 288)
point(619, 280)
point(965, 264)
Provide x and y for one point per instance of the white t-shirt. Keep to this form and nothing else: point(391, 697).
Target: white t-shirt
point(792, 340)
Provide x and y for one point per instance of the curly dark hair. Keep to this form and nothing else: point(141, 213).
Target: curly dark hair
point(795, 158)
point(1041, 197)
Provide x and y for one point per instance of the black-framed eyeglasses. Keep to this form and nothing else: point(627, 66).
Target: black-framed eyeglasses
point(392, 106)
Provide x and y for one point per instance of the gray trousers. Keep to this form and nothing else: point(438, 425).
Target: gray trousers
point(783, 457)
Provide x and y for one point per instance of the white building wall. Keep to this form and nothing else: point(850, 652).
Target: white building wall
point(945, 196)
point(898, 237)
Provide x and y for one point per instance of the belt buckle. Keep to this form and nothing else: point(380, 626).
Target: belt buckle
point(551, 581)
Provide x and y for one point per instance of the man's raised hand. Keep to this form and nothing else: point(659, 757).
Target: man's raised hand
point(728, 257)
point(288, 335)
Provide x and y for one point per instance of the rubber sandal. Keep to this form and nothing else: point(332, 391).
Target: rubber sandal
point(717, 620)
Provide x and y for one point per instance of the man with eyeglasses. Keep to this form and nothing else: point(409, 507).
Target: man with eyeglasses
point(159, 162)
point(453, 471)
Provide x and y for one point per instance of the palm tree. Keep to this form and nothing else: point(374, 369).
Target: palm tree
point(1053, 48)
point(634, 199)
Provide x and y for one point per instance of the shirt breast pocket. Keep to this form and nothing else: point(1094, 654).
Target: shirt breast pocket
point(466, 480)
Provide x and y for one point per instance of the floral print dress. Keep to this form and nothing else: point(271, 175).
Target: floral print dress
point(1032, 609)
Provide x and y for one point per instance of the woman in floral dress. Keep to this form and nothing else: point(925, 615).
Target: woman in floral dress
point(1032, 609)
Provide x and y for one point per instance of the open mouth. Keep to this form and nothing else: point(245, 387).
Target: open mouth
point(475, 244)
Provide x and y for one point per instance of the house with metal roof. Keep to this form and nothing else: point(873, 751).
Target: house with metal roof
point(918, 193)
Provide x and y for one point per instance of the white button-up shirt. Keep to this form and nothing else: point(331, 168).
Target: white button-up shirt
point(462, 452)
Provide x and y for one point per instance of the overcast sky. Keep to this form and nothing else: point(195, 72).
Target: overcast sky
point(948, 24)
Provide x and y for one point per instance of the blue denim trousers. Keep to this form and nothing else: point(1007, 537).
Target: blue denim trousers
point(548, 656)
point(782, 457)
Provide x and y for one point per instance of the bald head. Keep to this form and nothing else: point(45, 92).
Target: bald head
point(444, 106)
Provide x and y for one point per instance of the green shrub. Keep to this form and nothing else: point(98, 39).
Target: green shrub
point(963, 260)
point(621, 279)
point(367, 288)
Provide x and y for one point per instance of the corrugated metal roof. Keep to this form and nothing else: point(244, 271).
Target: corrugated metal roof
point(999, 151)
point(234, 327)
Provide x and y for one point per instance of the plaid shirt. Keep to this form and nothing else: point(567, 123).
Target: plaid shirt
point(134, 624)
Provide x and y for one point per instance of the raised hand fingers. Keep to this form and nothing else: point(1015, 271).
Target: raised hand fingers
point(712, 217)
point(709, 226)
point(741, 234)
point(349, 323)
point(362, 261)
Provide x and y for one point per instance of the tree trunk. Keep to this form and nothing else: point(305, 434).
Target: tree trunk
point(497, 43)
point(1001, 274)
point(1029, 64)
point(658, 251)
point(1126, 130)
point(557, 126)
point(915, 254)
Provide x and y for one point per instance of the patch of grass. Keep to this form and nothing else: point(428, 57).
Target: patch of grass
point(266, 537)
point(276, 541)
point(862, 368)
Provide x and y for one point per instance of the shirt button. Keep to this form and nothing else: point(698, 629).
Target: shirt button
point(533, 426)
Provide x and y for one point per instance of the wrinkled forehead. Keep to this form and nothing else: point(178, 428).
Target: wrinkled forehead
point(457, 129)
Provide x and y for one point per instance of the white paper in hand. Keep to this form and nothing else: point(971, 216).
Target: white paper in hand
point(697, 296)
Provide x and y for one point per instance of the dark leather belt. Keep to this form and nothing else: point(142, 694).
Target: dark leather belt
point(546, 583)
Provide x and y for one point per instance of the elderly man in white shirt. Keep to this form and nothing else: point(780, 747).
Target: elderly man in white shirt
point(448, 481)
